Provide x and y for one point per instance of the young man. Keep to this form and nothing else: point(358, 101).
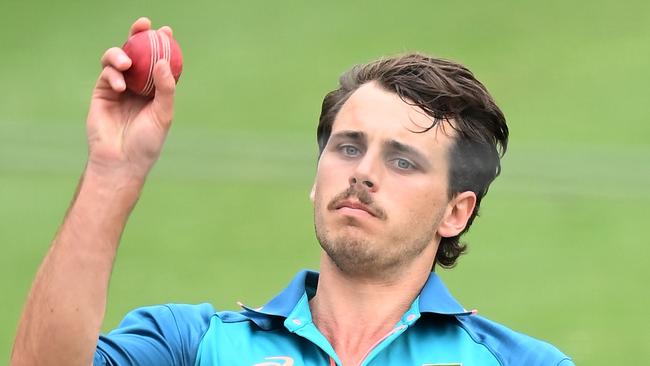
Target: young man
point(408, 148)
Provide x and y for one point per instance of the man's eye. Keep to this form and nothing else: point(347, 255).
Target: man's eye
point(403, 164)
point(350, 150)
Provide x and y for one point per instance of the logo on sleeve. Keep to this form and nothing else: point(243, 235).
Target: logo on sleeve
point(276, 361)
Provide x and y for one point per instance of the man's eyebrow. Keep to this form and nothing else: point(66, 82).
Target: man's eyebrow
point(350, 135)
point(407, 149)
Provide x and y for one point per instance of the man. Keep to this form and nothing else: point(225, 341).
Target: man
point(408, 148)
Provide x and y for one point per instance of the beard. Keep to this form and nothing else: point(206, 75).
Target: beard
point(361, 257)
point(358, 254)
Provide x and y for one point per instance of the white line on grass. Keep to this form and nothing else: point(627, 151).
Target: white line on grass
point(193, 153)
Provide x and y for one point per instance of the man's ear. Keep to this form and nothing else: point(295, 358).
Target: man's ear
point(459, 210)
point(312, 194)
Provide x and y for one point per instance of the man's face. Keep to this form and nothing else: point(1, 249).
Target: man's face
point(381, 189)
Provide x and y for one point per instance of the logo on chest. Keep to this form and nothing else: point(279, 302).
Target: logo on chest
point(276, 361)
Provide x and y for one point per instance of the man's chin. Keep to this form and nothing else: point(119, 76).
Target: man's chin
point(354, 255)
point(366, 226)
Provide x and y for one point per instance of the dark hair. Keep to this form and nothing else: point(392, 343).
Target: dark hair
point(448, 92)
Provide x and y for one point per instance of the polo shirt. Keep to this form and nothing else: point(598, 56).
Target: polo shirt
point(435, 331)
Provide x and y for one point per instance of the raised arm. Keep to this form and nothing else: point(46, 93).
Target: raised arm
point(65, 308)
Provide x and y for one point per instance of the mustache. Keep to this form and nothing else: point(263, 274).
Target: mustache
point(363, 196)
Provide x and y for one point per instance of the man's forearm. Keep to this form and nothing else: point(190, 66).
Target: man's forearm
point(65, 308)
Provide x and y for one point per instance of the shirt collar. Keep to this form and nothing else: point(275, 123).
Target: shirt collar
point(283, 303)
point(434, 298)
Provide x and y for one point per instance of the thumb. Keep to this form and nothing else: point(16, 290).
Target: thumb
point(163, 101)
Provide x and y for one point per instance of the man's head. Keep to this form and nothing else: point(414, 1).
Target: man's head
point(414, 140)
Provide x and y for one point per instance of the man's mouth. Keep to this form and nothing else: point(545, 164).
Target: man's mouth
point(356, 202)
point(353, 205)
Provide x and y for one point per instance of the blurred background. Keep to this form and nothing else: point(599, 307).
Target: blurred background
point(557, 253)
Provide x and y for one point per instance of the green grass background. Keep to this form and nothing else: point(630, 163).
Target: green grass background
point(560, 251)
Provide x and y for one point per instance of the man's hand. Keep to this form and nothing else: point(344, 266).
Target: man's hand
point(65, 308)
point(126, 131)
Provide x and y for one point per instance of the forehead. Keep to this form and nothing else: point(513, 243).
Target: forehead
point(382, 115)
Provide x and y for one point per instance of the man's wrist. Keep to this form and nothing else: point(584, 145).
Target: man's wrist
point(118, 175)
point(111, 186)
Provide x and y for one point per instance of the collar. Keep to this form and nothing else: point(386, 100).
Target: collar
point(283, 304)
point(434, 298)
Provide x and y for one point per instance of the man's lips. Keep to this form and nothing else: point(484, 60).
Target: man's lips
point(356, 206)
point(356, 202)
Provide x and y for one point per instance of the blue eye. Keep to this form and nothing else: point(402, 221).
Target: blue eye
point(349, 150)
point(403, 164)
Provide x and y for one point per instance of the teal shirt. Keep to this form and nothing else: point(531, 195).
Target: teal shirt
point(435, 330)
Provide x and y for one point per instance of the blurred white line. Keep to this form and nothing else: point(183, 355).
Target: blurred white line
point(290, 158)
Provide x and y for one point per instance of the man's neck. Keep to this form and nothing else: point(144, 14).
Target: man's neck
point(355, 313)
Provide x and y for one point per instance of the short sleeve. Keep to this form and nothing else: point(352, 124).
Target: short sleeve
point(157, 335)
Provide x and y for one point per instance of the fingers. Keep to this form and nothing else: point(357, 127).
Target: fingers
point(163, 102)
point(167, 29)
point(115, 61)
point(112, 79)
point(141, 24)
point(116, 58)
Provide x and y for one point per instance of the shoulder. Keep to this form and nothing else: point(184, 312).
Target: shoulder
point(511, 347)
point(170, 314)
point(190, 318)
point(161, 335)
point(170, 320)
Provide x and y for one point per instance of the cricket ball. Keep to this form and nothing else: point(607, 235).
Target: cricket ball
point(145, 49)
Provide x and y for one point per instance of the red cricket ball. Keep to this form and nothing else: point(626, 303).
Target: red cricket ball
point(145, 49)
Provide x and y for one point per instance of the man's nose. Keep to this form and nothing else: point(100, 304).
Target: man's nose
point(365, 174)
point(367, 183)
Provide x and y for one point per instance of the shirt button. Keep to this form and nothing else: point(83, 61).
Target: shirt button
point(411, 317)
point(296, 321)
